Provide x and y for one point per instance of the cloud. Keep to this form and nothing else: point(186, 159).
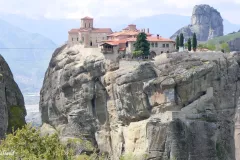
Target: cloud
point(72, 9)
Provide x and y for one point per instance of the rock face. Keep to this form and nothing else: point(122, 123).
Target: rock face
point(206, 22)
point(12, 107)
point(180, 106)
point(234, 45)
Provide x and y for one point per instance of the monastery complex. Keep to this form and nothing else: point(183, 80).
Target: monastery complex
point(121, 42)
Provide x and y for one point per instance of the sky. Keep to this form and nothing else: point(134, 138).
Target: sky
point(130, 9)
point(126, 9)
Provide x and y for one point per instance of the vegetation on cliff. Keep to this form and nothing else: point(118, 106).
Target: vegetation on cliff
point(142, 45)
point(16, 118)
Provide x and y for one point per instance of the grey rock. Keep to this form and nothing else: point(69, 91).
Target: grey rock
point(10, 95)
point(184, 111)
point(206, 22)
point(234, 45)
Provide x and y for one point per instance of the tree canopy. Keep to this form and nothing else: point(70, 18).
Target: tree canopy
point(177, 43)
point(142, 44)
point(194, 42)
point(189, 45)
point(181, 41)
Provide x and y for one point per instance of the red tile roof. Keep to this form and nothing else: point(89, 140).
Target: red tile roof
point(102, 30)
point(94, 30)
point(87, 18)
point(115, 42)
point(152, 39)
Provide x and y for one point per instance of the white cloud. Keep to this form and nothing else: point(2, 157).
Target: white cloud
point(72, 9)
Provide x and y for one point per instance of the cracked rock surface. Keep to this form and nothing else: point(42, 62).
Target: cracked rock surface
point(180, 107)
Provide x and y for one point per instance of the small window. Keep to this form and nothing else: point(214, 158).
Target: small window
point(156, 44)
point(163, 45)
point(167, 45)
point(89, 25)
point(77, 39)
point(96, 40)
point(72, 39)
point(83, 39)
point(152, 44)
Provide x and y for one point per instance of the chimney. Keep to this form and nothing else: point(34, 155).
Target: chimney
point(157, 36)
point(148, 30)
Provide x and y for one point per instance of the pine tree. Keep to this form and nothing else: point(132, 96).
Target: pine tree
point(194, 42)
point(142, 44)
point(181, 41)
point(189, 45)
point(177, 43)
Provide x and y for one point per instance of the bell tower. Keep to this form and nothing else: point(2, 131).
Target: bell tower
point(87, 23)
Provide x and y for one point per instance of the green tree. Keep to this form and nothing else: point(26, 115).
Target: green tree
point(194, 42)
point(137, 54)
point(177, 43)
point(181, 41)
point(189, 44)
point(225, 47)
point(26, 143)
point(142, 44)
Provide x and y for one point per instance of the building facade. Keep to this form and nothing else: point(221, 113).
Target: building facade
point(87, 35)
point(123, 42)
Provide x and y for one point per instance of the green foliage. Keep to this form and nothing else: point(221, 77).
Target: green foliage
point(128, 156)
point(137, 53)
point(225, 47)
point(181, 40)
point(142, 44)
point(211, 47)
point(177, 43)
point(94, 156)
point(16, 118)
point(189, 44)
point(194, 42)
point(26, 143)
point(222, 39)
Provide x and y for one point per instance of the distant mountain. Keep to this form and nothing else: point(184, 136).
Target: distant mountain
point(57, 30)
point(27, 54)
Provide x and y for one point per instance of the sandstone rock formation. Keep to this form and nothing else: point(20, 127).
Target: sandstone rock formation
point(12, 107)
point(180, 106)
point(206, 22)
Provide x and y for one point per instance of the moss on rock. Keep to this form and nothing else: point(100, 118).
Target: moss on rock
point(16, 118)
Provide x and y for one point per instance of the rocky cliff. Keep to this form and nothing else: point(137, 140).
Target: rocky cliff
point(234, 45)
point(206, 22)
point(12, 109)
point(180, 106)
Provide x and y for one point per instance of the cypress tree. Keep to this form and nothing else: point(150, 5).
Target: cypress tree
point(194, 42)
point(181, 41)
point(189, 45)
point(142, 44)
point(177, 43)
